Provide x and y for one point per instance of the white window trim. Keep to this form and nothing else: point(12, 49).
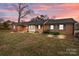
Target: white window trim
point(51, 26)
point(61, 27)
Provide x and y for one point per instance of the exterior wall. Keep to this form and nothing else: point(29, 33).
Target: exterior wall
point(39, 30)
point(31, 28)
point(68, 29)
point(21, 28)
point(45, 27)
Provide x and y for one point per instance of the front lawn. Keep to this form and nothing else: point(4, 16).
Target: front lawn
point(34, 44)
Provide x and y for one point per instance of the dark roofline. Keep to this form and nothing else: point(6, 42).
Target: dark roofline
point(37, 22)
point(48, 21)
point(62, 21)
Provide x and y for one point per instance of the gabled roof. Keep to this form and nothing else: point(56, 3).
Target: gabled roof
point(62, 21)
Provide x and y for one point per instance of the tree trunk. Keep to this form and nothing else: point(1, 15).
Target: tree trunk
point(19, 13)
point(19, 19)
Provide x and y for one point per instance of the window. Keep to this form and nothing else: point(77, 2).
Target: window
point(61, 27)
point(31, 28)
point(51, 26)
point(14, 27)
point(39, 26)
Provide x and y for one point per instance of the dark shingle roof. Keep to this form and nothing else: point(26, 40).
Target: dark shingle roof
point(49, 21)
point(22, 24)
point(37, 22)
point(57, 21)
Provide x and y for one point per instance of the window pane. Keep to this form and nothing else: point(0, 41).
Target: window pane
point(61, 27)
point(13, 27)
point(38, 26)
point(51, 26)
point(32, 27)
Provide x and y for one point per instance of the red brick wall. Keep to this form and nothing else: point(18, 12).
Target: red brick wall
point(69, 29)
point(22, 28)
point(39, 30)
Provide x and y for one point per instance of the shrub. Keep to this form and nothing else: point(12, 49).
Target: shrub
point(53, 33)
point(46, 32)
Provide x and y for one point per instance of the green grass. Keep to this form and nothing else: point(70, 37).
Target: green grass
point(33, 44)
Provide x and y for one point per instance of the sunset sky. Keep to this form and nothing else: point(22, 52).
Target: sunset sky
point(58, 10)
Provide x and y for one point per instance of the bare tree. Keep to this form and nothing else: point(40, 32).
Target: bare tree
point(1, 20)
point(22, 10)
point(44, 17)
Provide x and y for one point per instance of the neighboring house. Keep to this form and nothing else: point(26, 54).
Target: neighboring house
point(65, 26)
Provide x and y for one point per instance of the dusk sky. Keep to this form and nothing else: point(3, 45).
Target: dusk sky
point(63, 10)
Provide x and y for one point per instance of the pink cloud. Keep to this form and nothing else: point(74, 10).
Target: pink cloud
point(12, 18)
point(62, 10)
point(7, 10)
point(70, 5)
point(15, 18)
point(58, 10)
point(42, 7)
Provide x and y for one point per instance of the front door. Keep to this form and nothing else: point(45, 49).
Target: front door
point(32, 28)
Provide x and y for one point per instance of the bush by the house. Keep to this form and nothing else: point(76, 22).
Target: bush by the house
point(53, 33)
point(46, 32)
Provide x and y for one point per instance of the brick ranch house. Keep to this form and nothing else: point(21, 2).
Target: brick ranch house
point(65, 26)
